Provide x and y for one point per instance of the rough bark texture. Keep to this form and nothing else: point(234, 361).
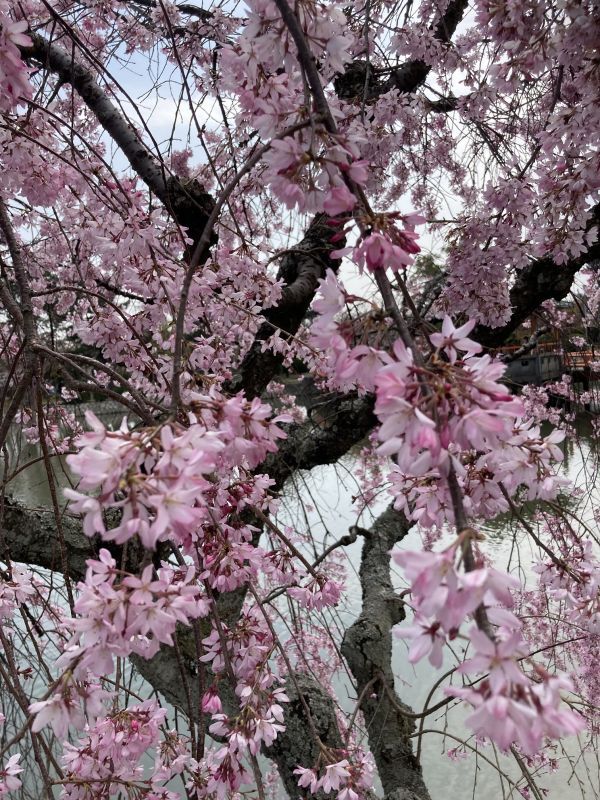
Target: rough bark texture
point(300, 269)
point(367, 648)
point(360, 81)
point(29, 536)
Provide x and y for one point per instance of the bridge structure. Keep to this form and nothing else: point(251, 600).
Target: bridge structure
point(583, 366)
point(548, 363)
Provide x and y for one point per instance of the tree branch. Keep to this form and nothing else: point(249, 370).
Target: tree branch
point(407, 77)
point(188, 202)
point(528, 346)
point(184, 8)
point(340, 423)
point(296, 745)
point(63, 64)
point(367, 648)
point(300, 269)
point(541, 280)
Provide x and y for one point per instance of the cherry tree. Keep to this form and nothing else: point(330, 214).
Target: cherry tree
point(216, 219)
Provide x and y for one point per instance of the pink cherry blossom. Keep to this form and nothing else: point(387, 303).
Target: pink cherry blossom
point(427, 639)
point(255, 302)
point(376, 251)
point(452, 339)
point(59, 711)
point(335, 775)
point(8, 775)
point(307, 778)
point(339, 200)
point(498, 659)
point(211, 704)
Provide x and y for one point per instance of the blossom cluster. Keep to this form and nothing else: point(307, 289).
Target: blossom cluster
point(575, 584)
point(452, 413)
point(343, 365)
point(524, 712)
point(313, 178)
point(245, 653)
point(66, 706)
point(14, 75)
point(15, 591)
point(160, 480)
point(350, 779)
point(316, 593)
point(443, 597)
point(511, 707)
point(119, 614)
point(386, 245)
point(261, 68)
point(445, 411)
point(106, 758)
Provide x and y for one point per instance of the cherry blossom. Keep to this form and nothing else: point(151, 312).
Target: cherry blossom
point(521, 714)
point(452, 339)
point(225, 250)
point(8, 775)
point(59, 711)
point(380, 250)
point(14, 83)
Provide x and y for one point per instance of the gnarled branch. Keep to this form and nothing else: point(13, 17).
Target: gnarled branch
point(539, 281)
point(361, 80)
point(300, 269)
point(367, 648)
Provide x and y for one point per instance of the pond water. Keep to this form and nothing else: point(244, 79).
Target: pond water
point(329, 491)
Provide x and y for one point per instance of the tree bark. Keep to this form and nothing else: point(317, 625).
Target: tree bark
point(301, 269)
point(367, 648)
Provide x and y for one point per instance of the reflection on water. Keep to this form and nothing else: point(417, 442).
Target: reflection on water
point(507, 544)
point(329, 492)
point(24, 471)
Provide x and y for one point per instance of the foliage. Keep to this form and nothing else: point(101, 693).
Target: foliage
point(270, 233)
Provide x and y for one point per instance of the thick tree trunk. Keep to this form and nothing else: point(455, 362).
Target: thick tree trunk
point(367, 648)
